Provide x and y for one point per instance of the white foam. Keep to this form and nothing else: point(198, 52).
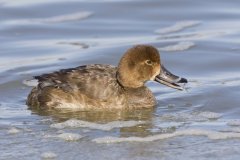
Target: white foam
point(69, 136)
point(181, 46)
point(73, 123)
point(188, 132)
point(13, 130)
point(48, 155)
point(177, 27)
point(232, 129)
point(234, 123)
point(210, 115)
point(30, 83)
point(191, 117)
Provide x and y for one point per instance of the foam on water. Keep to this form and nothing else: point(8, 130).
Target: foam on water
point(234, 123)
point(30, 83)
point(69, 136)
point(48, 155)
point(190, 117)
point(177, 27)
point(188, 132)
point(13, 130)
point(181, 46)
point(73, 123)
point(209, 115)
point(233, 129)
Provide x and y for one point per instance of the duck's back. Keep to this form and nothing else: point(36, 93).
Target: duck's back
point(81, 87)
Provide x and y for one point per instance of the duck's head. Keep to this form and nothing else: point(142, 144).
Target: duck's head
point(141, 64)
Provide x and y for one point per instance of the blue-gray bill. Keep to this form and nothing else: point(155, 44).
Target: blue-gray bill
point(167, 78)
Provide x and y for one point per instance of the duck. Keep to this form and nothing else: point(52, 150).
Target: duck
point(102, 86)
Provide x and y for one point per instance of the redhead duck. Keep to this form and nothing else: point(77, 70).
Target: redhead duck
point(99, 86)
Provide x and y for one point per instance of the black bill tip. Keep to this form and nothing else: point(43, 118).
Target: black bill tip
point(183, 80)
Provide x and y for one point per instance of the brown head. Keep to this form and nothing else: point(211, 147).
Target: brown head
point(141, 64)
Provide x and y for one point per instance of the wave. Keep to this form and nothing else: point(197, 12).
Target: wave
point(234, 123)
point(73, 123)
point(63, 18)
point(181, 46)
point(190, 117)
point(30, 83)
point(69, 136)
point(177, 27)
point(48, 155)
point(188, 132)
point(55, 19)
point(13, 130)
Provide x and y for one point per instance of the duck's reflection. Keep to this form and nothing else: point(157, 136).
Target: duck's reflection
point(98, 116)
point(106, 116)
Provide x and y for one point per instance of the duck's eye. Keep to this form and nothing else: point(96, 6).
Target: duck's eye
point(149, 62)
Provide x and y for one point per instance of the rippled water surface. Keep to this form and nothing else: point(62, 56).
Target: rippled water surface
point(198, 40)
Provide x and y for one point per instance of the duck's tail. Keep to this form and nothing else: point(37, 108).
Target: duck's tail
point(32, 99)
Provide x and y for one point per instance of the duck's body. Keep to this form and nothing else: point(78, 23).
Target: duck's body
point(103, 86)
point(86, 87)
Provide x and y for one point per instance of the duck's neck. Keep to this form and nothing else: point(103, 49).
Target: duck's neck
point(140, 97)
point(128, 80)
point(137, 97)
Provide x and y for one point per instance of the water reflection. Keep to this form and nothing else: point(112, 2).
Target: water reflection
point(107, 116)
point(99, 115)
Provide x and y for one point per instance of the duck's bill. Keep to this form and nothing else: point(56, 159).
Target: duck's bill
point(169, 79)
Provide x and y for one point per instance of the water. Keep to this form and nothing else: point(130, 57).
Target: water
point(198, 40)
